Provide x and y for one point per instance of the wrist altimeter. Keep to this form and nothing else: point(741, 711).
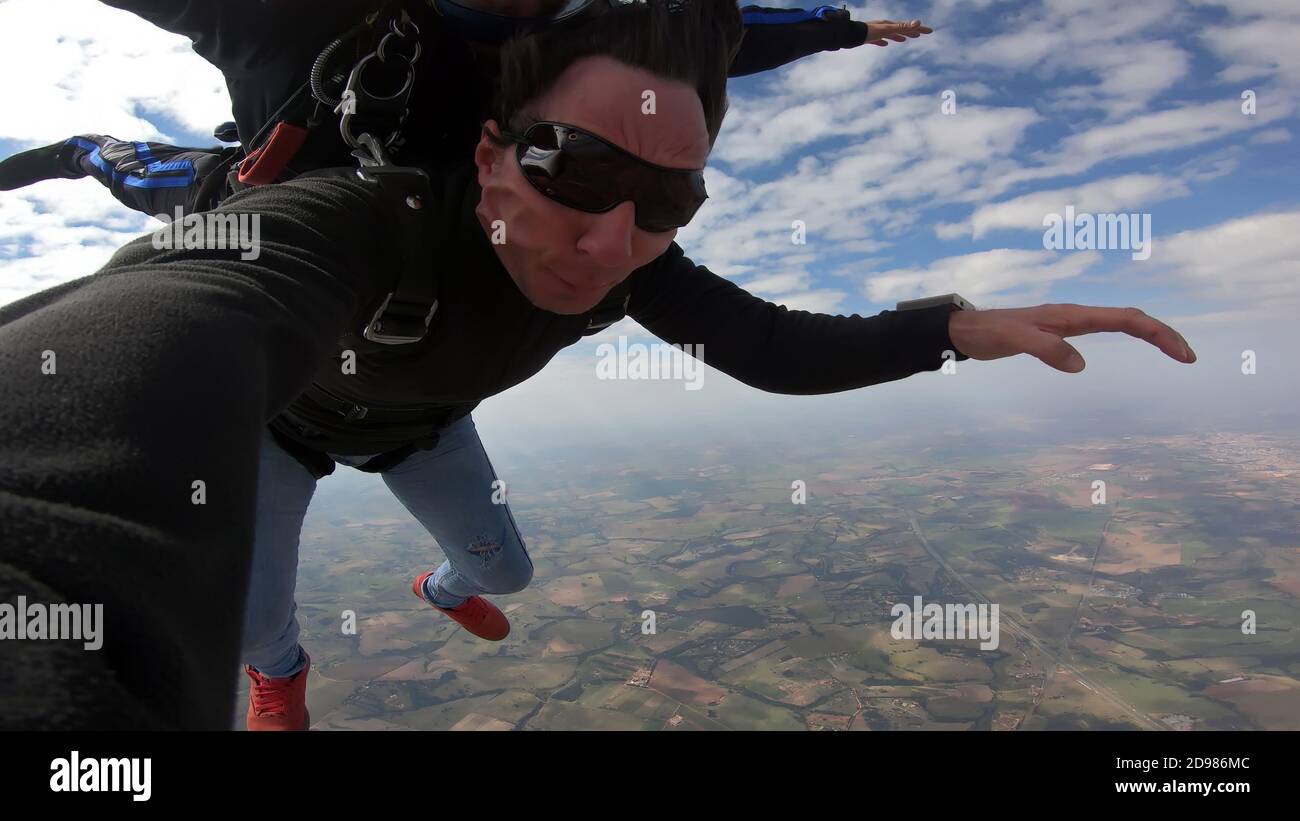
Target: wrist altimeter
point(955, 300)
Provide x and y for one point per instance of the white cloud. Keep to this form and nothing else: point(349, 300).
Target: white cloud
point(1271, 135)
point(1128, 79)
point(984, 277)
point(60, 230)
point(1249, 260)
point(1112, 195)
point(778, 283)
point(818, 301)
point(89, 68)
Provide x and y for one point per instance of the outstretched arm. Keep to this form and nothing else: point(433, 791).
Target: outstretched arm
point(121, 391)
point(776, 36)
point(224, 32)
point(781, 351)
point(770, 347)
point(238, 35)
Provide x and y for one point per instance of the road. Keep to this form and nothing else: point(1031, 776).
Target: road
point(1020, 631)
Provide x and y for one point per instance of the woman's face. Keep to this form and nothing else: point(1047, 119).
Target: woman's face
point(565, 260)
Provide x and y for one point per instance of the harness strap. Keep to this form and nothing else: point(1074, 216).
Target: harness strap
point(268, 160)
point(407, 310)
point(317, 464)
point(352, 411)
point(610, 309)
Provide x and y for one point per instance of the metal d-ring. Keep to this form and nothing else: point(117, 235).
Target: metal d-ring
point(356, 93)
point(395, 32)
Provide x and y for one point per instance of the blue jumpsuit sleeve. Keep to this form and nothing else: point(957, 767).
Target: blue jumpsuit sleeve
point(776, 36)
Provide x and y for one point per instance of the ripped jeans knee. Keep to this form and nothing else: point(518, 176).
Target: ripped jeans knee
point(499, 567)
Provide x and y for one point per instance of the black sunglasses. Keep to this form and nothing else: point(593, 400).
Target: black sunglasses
point(580, 170)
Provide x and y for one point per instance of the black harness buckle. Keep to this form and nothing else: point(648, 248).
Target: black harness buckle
point(609, 310)
point(404, 316)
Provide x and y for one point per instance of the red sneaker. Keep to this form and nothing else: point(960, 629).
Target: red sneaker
point(278, 703)
point(476, 614)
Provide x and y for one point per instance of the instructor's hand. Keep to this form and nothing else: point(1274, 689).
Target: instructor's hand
point(880, 32)
point(1040, 332)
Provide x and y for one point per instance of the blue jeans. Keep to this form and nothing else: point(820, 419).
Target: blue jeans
point(449, 490)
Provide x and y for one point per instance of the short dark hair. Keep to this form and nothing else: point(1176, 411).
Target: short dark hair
point(693, 41)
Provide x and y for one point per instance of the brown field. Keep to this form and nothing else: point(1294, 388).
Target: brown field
point(334, 721)
point(363, 669)
point(1062, 693)
point(795, 585)
point(1078, 492)
point(1271, 701)
point(974, 693)
point(803, 693)
point(560, 646)
point(711, 568)
point(1132, 552)
point(748, 534)
point(382, 633)
point(569, 591)
point(477, 721)
point(423, 669)
point(817, 721)
point(349, 566)
point(682, 685)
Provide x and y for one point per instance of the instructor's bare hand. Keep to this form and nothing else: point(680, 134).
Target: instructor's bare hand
point(880, 32)
point(1041, 332)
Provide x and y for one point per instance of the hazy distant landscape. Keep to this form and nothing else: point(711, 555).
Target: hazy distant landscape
point(773, 615)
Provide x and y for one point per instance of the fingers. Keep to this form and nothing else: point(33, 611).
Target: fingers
point(882, 31)
point(1076, 320)
point(1049, 348)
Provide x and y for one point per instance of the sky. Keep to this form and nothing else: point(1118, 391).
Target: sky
point(917, 169)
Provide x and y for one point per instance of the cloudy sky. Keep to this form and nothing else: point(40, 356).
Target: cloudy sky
point(917, 169)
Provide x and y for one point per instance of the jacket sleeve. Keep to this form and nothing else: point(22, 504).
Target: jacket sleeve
point(226, 33)
point(774, 36)
point(122, 392)
point(775, 349)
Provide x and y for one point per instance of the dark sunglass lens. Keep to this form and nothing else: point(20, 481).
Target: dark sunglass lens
point(581, 171)
point(667, 200)
point(543, 136)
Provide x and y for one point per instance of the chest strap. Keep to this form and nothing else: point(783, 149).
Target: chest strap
point(351, 411)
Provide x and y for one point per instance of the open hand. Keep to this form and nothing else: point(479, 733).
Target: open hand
point(1041, 332)
point(880, 32)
